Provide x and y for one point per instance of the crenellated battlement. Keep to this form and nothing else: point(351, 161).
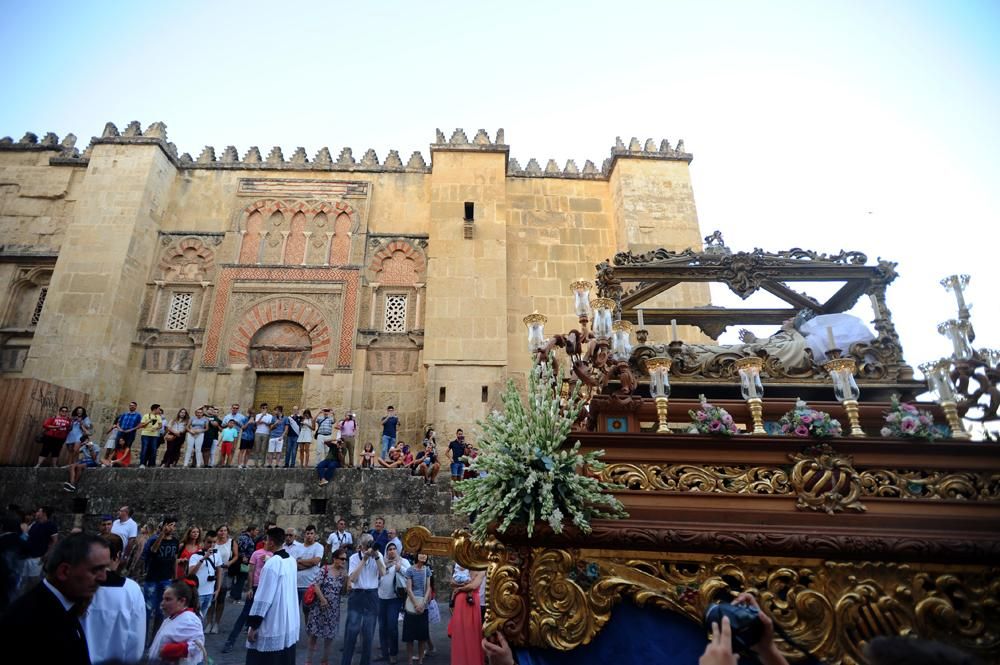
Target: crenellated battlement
point(156, 134)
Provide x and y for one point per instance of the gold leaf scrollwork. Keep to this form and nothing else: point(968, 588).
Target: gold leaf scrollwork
point(561, 616)
point(825, 480)
point(728, 479)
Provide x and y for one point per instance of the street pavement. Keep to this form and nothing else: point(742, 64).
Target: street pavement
point(214, 643)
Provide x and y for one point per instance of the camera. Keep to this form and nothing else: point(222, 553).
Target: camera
point(210, 578)
point(744, 621)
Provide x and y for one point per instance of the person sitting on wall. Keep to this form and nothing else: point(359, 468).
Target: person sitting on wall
point(122, 456)
point(89, 458)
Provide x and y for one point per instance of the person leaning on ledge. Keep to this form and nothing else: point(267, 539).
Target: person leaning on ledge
point(46, 620)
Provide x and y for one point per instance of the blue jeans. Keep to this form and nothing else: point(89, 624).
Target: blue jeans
point(153, 592)
point(326, 468)
point(387, 443)
point(147, 453)
point(457, 469)
point(241, 621)
point(362, 611)
point(388, 625)
point(292, 446)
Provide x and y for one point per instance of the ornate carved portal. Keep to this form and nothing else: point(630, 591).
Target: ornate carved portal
point(561, 598)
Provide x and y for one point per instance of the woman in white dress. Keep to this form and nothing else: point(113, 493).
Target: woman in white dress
point(306, 429)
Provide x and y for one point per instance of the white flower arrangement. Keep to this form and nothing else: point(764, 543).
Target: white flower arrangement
point(525, 473)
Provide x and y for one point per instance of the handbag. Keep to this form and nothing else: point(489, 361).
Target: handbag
point(433, 611)
point(310, 596)
point(400, 585)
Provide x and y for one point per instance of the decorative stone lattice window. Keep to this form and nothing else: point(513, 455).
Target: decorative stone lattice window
point(39, 305)
point(180, 311)
point(395, 313)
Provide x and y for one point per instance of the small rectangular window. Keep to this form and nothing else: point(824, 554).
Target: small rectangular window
point(180, 311)
point(395, 313)
point(470, 211)
point(441, 394)
point(317, 506)
point(486, 394)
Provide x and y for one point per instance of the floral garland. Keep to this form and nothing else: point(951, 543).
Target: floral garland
point(710, 419)
point(525, 474)
point(805, 422)
point(905, 421)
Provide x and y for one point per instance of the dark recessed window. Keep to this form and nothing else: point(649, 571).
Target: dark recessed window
point(317, 506)
point(441, 394)
point(470, 211)
point(79, 506)
point(486, 393)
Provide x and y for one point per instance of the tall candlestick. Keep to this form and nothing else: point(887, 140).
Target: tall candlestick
point(831, 343)
point(642, 323)
point(673, 330)
point(956, 284)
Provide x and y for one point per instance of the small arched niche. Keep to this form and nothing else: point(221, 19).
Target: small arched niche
point(280, 345)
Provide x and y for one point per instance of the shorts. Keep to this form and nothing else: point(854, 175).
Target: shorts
point(226, 448)
point(205, 604)
point(246, 444)
point(129, 437)
point(457, 469)
point(51, 446)
point(110, 443)
point(206, 445)
point(275, 445)
point(90, 464)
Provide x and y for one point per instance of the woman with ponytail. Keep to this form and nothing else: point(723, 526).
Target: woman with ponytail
point(181, 638)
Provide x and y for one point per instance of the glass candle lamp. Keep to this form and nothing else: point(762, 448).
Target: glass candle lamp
point(659, 388)
point(581, 298)
point(846, 390)
point(957, 332)
point(621, 345)
point(752, 389)
point(535, 323)
point(957, 284)
point(938, 375)
point(603, 309)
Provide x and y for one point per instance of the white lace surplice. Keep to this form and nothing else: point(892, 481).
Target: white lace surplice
point(277, 601)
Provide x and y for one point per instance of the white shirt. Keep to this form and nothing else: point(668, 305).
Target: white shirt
point(340, 539)
point(225, 551)
point(278, 603)
point(307, 576)
point(368, 578)
point(67, 605)
point(293, 549)
point(263, 421)
point(211, 568)
point(387, 583)
point(125, 530)
point(115, 623)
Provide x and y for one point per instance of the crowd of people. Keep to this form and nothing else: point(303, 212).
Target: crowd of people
point(127, 592)
point(254, 437)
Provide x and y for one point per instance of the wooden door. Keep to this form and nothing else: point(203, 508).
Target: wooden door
point(278, 388)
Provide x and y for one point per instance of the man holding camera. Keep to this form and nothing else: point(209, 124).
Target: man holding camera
point(204, 565)
point(365, 568)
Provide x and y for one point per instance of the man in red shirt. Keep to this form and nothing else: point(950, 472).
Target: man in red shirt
point(54, 433)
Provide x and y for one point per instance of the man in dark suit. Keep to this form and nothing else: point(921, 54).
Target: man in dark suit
point(45, 622)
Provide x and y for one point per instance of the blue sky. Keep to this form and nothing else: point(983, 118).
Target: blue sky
point(857, 125)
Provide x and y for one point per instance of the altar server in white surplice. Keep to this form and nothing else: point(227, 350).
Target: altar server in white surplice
point(274, 617)
point(115, 621)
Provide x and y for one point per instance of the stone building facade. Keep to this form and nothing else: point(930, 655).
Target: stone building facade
point(133, 272)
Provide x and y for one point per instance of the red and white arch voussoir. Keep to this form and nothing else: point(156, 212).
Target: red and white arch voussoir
point(282, 309)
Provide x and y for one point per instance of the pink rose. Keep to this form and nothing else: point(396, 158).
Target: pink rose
point(701, 415)
point(909, 425)
point(801, 430)
point(785, 429)
point(892, 417)
point(806, 419)
point(924, 420)
point(715, 426)
point(909, 408)
point(727, 419)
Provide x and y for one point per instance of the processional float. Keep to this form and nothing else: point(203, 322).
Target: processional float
point(841, 539)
